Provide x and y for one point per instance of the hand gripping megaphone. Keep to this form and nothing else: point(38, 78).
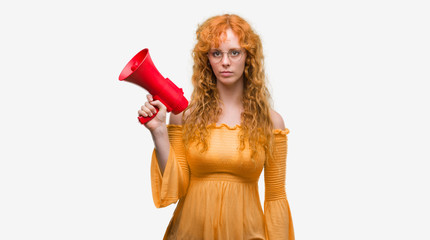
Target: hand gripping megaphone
point(141, 71)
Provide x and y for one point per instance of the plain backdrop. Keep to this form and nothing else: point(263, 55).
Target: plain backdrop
point(350, 79)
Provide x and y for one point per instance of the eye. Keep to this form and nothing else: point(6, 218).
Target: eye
point(235, 53)
point(216, 54)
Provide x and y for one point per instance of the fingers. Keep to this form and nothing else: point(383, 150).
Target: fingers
point(149, 97)
point(143, 113)
point(156, 103)
point(149, 109)
point(159, 105)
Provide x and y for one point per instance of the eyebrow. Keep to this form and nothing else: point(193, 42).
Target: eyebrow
point(217, 49)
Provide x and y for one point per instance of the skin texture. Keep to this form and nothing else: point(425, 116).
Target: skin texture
point(229, 73)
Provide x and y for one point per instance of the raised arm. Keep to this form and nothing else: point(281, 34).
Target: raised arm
point(169, 168)
point(157, 127)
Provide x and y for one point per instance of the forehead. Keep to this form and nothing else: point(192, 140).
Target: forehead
point(228, 39)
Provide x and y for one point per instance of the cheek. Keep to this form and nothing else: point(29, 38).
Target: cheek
point(242, 67)
point(213, 67)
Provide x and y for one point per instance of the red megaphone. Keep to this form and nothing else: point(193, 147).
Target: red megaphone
point(140, 70)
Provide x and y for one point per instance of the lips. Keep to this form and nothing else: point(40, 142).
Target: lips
point(226, 73)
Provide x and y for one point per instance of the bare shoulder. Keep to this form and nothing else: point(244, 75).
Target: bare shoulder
point(176, 119)
point(277, 120)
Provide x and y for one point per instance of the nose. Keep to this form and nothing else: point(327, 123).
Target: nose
point(225, 60)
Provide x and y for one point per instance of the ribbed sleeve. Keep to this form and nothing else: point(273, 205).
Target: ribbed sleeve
point(173, 184)
point(279, 224)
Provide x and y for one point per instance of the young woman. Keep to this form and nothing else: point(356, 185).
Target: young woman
point(210, 157)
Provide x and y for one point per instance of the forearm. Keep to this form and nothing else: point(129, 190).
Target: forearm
point(162, 146)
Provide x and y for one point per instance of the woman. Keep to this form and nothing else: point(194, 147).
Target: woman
point(210, 156)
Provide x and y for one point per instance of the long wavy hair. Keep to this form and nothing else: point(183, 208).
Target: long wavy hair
point(204, 109)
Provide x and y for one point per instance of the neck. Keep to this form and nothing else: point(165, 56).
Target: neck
point(231, 95)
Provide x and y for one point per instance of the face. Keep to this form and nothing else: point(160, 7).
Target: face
point(228, 60)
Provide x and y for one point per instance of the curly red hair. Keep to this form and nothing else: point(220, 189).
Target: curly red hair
point(204, 108)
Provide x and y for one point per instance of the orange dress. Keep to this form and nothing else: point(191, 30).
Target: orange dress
point(218, 189)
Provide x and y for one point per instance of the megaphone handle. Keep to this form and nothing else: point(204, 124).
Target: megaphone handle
point(144, 120)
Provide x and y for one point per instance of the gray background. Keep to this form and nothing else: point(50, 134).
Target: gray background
point(348, 77)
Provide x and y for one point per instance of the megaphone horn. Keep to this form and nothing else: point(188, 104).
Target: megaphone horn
point(141, 71)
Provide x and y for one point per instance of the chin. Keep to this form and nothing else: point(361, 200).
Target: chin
point(227, 81)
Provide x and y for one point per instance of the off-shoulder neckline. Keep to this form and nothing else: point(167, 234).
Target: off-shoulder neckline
point(237, 126)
